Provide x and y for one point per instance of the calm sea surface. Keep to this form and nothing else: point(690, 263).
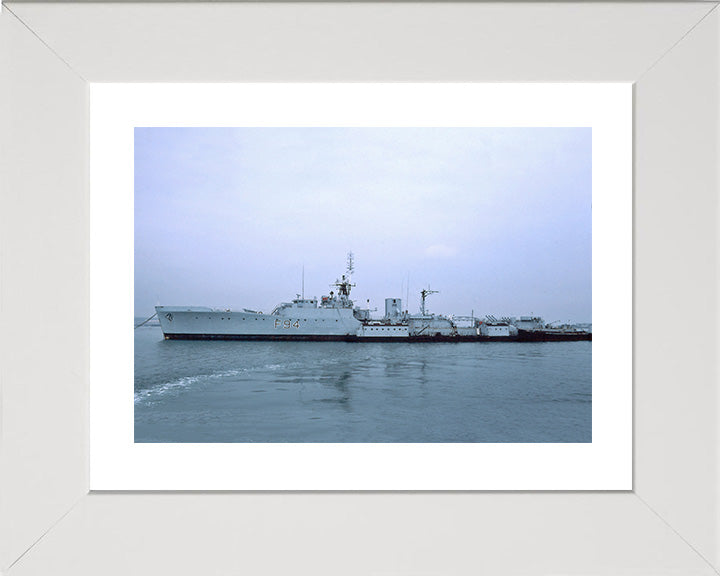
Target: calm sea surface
point(202, 391)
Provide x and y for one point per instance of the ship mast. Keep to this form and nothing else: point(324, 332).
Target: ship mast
point(424, 293)
point(344, 285)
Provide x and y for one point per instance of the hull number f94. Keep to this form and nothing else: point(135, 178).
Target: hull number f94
point(286, 323)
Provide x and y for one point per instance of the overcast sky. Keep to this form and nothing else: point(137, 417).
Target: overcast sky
point(497, 219)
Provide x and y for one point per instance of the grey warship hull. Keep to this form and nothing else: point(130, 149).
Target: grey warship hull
point(206, 324)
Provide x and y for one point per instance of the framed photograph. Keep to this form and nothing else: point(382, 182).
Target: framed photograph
point(449, 180)
point(82, 264)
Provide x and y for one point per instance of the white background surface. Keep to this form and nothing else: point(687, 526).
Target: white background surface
point(116, 463)
point(667, 525)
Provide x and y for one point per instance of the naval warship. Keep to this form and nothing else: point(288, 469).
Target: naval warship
point(335, 317)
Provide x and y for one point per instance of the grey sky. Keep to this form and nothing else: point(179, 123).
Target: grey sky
point(497, 219)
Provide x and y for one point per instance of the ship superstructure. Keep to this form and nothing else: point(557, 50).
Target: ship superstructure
point(335, 317)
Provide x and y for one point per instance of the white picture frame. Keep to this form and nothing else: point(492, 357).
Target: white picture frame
point(667, 524)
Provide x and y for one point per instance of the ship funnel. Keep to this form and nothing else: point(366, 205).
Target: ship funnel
point(393, 307)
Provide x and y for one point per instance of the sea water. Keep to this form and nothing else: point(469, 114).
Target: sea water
point(234, 391)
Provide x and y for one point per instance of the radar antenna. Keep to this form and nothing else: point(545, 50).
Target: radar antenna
point(424, 293)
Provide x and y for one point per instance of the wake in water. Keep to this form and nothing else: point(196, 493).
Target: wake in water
point(152, 393)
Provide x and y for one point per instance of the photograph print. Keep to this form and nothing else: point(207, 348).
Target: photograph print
point(362, 285)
